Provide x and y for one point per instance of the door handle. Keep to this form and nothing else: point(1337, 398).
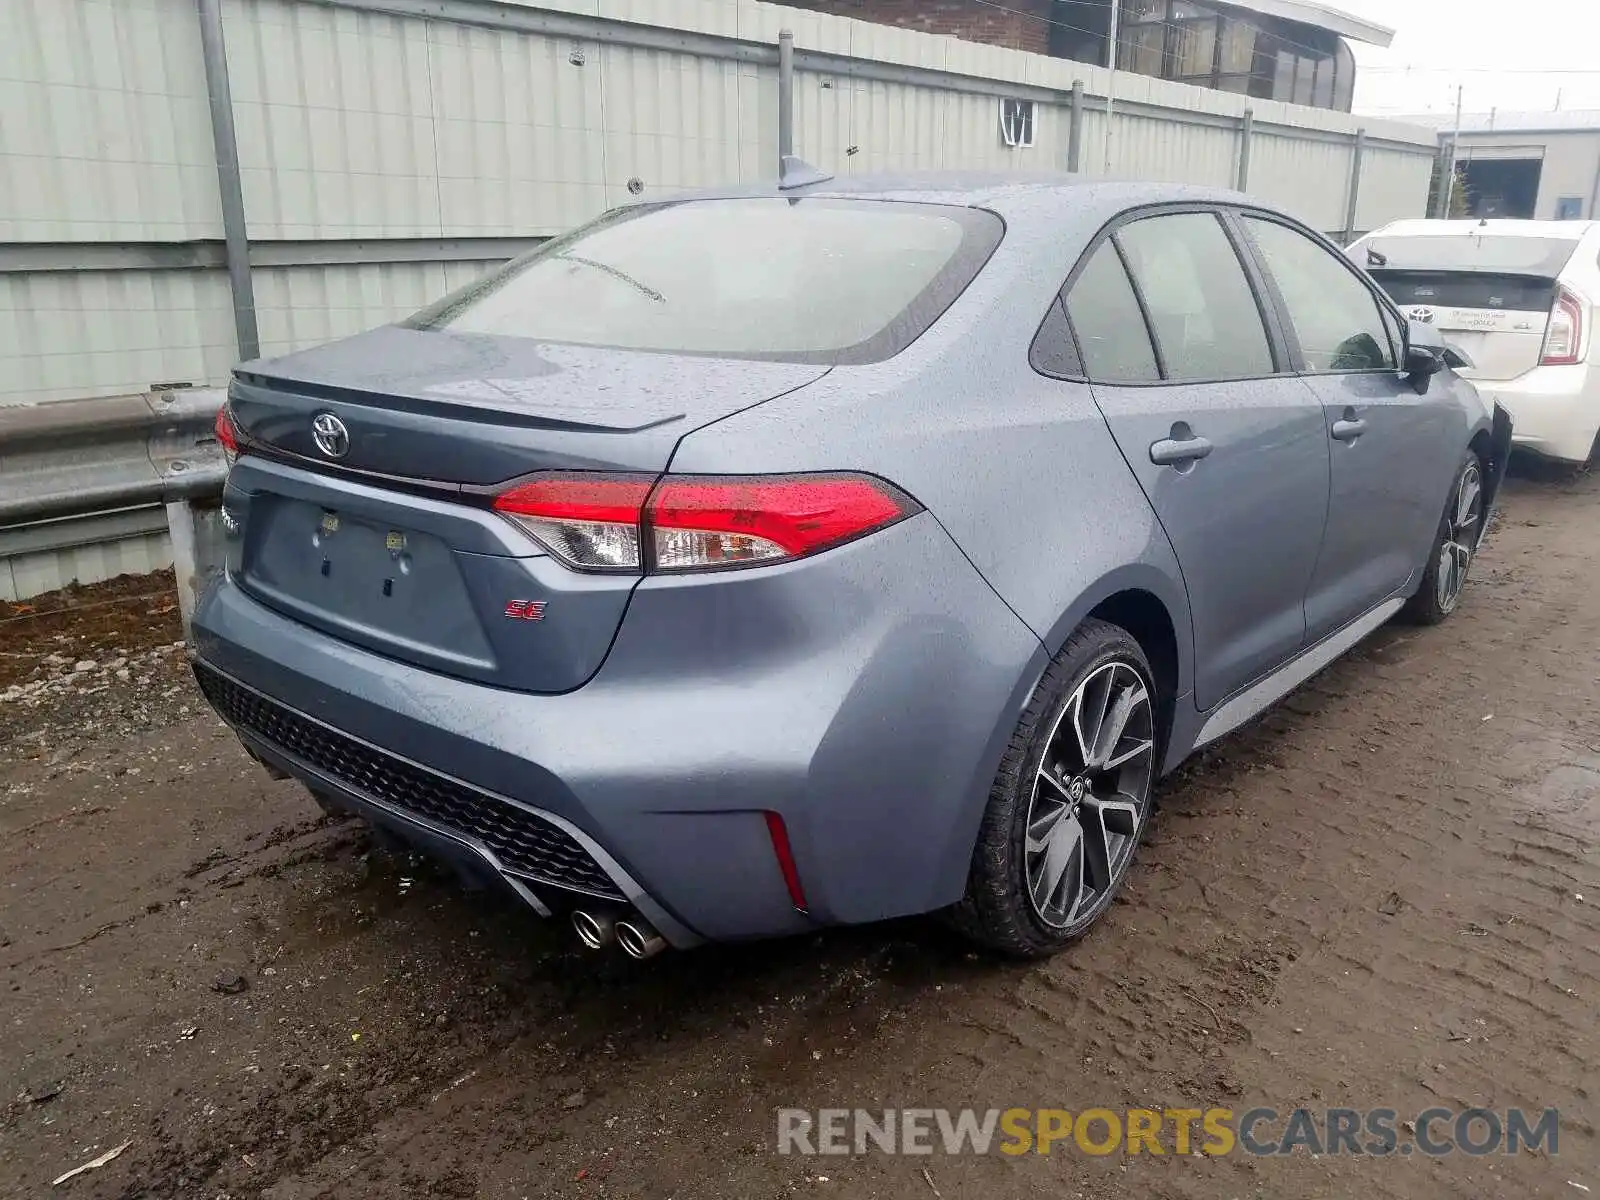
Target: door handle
point(1170, 452)
point(1348, 429)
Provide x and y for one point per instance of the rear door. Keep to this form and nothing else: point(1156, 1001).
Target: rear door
point(1230, 450)
point(1392, 449)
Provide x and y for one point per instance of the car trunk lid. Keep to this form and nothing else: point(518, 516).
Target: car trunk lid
point(390, 544)
point(473, 409)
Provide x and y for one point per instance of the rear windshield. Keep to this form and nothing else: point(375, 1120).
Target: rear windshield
point(1540, 256)
point(813, 280)
point(1467, 289)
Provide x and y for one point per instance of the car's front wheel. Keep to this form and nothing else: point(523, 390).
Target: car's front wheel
point(1455, 542)
point(1071, 800)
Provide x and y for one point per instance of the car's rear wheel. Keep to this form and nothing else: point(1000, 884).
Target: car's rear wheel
point(1445, 577)
point(1071, 800)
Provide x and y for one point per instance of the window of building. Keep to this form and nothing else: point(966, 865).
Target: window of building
point(1337, 320)
point(1143, 49)
point(1016, 122)
point(1569, 208)
point(1235, 51)
point(1194, 42)
point(1202, 308)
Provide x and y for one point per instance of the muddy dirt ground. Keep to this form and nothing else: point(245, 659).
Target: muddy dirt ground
point(1370, 898)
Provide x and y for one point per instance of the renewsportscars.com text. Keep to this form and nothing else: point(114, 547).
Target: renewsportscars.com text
point(1179, 1131)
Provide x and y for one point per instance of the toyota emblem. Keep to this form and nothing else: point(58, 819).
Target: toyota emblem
point(1423, 316)
point(330, 434)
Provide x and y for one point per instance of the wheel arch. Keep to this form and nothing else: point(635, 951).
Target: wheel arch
point(1480, 445)
point(1149, 623)
point(1151, 606)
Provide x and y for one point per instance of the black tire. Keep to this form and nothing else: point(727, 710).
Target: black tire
point(1454, 546)
point(1001, 909)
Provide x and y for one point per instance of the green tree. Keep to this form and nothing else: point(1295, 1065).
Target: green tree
point(1460, 201)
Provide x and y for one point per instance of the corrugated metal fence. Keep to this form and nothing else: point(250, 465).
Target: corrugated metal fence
point(388, 150)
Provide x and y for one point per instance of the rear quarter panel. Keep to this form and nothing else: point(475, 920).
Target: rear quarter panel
point(1020, 469)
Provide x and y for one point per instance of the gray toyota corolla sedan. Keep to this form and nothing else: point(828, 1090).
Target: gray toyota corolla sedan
point(741, 564)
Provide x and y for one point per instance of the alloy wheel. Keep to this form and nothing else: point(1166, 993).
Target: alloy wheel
point(1455, 554)
point(1090, 796)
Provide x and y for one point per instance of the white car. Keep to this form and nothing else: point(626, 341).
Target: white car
point(1518, 299)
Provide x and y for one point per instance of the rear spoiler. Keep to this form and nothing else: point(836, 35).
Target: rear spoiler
point(1499, 456)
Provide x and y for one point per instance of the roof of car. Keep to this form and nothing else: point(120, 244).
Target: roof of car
point(978, 189)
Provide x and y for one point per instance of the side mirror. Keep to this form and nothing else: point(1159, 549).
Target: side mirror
point(1425, 354)
point(1423, 361)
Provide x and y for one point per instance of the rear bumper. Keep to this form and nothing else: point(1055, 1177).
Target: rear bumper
point(863, 695)
point(1556, 409)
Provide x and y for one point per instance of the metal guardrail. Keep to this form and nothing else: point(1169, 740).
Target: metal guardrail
point(76, 458)
point(86, 472)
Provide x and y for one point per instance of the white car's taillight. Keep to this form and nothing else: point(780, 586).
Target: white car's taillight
point(694, 523)
point(1563, 339)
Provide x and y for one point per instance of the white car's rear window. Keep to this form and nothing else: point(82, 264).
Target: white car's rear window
point(1482, 271)
point(1467, 289)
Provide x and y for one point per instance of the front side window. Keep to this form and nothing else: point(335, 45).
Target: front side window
point(816, 280)
point(1202, 308)
point(1336, 319)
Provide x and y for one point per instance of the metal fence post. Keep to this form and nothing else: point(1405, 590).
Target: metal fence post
point(1358, 152)
point(785, 96)
point(1075, 129)
point(199, 551)
point(235, 234)
point(1447, 176)
point(1247, 127)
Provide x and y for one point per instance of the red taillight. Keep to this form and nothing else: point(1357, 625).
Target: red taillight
point(227, 434)
point(1563, 339)
point(779, 833)
point(587, 520)
point(701, 523)
point(693, 523)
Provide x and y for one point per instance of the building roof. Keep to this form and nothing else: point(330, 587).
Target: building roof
point(1570, 121)
point(1320, 16)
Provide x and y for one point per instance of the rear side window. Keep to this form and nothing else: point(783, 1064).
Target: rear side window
point(1202, 308)
point(1105, 315)
point(1338, 321)
point(812, 280)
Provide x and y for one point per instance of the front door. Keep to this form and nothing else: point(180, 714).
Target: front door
point(1231, 452)
point(1392, 455)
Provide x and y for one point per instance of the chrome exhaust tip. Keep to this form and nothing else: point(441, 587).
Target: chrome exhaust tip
point(638, 940)
point(596, 931)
